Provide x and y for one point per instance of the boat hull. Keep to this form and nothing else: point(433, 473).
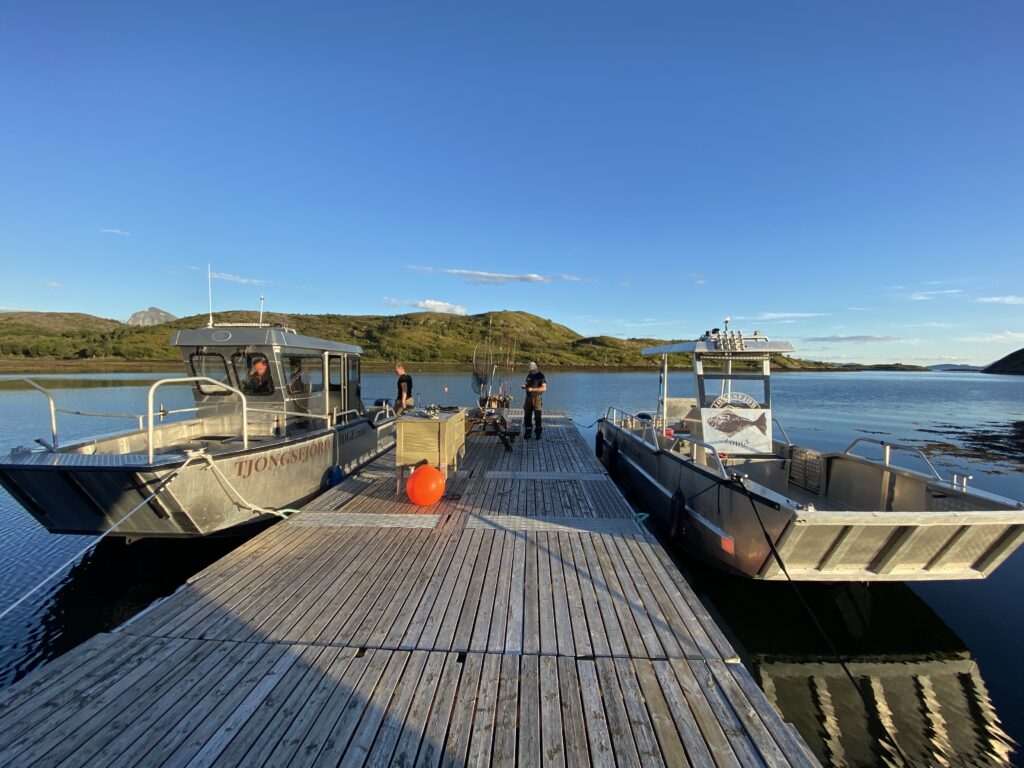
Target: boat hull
point(211, 493)
point(899, 526)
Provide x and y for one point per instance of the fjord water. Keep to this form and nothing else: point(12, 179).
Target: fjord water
point(944, 643)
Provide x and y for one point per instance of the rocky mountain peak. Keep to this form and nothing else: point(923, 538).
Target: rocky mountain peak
point(151, 316)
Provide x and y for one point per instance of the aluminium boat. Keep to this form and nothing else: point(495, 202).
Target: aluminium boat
point(277, 417)
point(712, 472)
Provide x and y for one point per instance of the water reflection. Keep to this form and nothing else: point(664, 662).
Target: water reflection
point(105, 588)
point(918, 675)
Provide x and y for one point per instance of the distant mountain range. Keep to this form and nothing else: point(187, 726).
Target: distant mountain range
point(151, 316)
point(949, 367)
point(419, 337)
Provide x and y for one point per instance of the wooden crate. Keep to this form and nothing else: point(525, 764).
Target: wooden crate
point(439, 441)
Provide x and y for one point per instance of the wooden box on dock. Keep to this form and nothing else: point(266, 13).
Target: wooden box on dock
point(438, 440)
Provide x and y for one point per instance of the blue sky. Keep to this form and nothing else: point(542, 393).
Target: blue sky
point(849, 176)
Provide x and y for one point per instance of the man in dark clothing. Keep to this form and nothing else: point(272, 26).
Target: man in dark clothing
point(535, 386)
point(404, 399)
point(259, 379)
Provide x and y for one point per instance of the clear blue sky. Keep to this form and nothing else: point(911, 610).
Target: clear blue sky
point(849, 176)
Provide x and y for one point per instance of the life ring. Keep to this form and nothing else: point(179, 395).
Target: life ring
point(599, 445)
point(677, 514)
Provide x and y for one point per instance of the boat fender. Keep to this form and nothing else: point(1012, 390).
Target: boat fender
point(335, 477)
point(599, 445)
point(645, 416)
point(612, 457)
point(677, 514)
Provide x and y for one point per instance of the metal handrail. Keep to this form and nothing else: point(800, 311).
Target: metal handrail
point(782, 429)
point(53, 410)
point(191, 380)
point(708, 447)
point(616, 417)
point(887, 449)
point(382, 416)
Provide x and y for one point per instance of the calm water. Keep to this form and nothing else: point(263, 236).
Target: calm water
point(944, 658)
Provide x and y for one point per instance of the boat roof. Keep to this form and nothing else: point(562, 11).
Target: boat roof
point(256, 335)
point(723, 343)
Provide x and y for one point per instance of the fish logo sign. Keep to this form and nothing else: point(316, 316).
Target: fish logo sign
point(729, 423)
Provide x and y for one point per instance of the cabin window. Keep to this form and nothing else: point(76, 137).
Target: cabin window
point(354, 387)
point(305, 374)
point(212, 366)
point(253, 371)
point(751, 391)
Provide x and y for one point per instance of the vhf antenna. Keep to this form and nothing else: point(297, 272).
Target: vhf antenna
point(261, 310)
point(209, 291)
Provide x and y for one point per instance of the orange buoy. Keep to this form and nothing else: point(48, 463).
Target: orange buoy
point(425, 485)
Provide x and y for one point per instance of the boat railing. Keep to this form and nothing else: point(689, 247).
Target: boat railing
point(888, 448)
point(782, 429)
point(384, 415)
point(709, 450)
point(650, 434)
point(193, 380)
point(54, 410)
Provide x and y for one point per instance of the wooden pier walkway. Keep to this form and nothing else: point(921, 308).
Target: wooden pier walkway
point(525, 619)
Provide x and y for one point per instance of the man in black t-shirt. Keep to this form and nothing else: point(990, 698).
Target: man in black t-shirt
point(535, 386)
point(403, 400)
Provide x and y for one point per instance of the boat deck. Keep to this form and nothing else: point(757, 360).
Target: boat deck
point(524, 619)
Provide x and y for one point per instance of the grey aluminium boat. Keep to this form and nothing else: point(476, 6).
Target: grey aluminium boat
point(253, 447)
point(710, 469)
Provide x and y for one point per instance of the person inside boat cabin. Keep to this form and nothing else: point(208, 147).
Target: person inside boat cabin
point(535, 386)
point(403, 400)
point(299, 387)
point(259, 382)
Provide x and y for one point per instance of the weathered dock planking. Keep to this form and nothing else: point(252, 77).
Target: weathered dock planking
point(524, 619)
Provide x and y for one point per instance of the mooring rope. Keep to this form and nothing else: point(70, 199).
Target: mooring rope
point(160, 487)
point(868, 707)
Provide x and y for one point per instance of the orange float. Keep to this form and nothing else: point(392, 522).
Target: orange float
point(425, 486)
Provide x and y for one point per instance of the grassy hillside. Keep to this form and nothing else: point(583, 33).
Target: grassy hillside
point(1012, 363)
point(50, 334)
point(421, 337)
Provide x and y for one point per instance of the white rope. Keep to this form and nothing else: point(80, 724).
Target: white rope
point(284, 512)
point(160, 486)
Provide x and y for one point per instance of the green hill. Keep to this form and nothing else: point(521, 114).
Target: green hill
point(50, 334)
point(420, 338)
point(1012, 363)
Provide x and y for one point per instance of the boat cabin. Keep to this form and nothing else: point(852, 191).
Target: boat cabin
point(288, 380)
point(732, 411)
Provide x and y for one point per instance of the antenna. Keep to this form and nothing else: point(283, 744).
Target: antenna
point(261, 309)
point(209, 290)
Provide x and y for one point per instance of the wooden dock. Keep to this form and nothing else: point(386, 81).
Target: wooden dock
point(527, 619)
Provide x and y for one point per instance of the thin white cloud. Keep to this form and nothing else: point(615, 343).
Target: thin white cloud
point(700, 281)
point(929, 295)
point(476, 277)
point(851, 339)
point(429, 305)
point(995, 338)
point(236, 279)
point(118, 232)
point(859, 309)
point(934, 324)
point(1001, 299)
point(53, 284)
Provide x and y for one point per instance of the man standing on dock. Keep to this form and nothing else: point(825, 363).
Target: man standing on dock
point(404, 398)
point(535, 386)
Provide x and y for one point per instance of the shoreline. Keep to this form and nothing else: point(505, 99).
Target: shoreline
point(10, 366)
